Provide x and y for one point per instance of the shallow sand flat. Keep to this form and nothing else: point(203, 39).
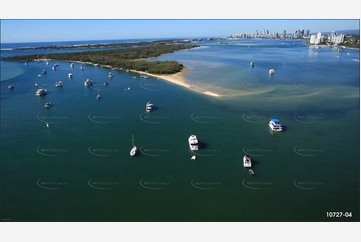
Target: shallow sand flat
point(179, 79)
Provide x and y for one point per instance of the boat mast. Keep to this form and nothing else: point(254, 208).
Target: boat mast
point(133, 140)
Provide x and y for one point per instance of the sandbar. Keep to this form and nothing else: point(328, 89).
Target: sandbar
point(179, 79)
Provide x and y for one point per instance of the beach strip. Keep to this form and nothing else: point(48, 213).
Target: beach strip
point(179, 79)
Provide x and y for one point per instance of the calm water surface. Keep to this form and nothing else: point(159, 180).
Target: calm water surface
point(79, 168)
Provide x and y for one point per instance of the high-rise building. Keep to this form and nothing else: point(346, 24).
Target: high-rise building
point(307, 33)
point(336, 38)
point(313, 39)
point(284, 33)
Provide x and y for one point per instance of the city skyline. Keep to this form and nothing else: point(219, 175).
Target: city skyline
point(22, 31)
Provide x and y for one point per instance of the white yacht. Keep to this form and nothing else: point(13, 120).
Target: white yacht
point(193, 142)
point(133, 151)
point(48, 105)
point(149, 107)
point(88, 82)
point(271, 71)
point(275, 125)
point(70, 75)
point(247, 161)
point(40, 92)
point(59, 84)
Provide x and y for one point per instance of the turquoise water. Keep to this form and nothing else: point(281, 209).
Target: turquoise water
point(79, 168)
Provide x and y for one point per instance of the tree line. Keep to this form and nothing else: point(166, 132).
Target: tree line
point(130, 58)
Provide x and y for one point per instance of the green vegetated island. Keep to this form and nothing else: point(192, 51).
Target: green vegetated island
point(130, 56)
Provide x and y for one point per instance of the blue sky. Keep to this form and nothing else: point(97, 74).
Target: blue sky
point(89, 29)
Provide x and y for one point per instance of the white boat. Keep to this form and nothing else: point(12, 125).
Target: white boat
point(105, 83)
point(133, 151)
point(88, 82)
point(70, 75)
point(271, 71)
point(252, 63)
point(11, 86)
point(193, 157)
point(148, 107)
point(193, 142)
point(82, 67)
point(98, 96)
point(110, 74)
point(275, 125)
point(71, 64)
point(54, 68)
point(40, 92)
point(47, 63)
point(145, 76)
point(43, 72)
point(59, 84)
point(37, 84)
point(251, 172)
point(39, 75)
point(48, 105)
point(247, 161)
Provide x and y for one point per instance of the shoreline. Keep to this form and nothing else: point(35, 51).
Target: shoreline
point(177, 78)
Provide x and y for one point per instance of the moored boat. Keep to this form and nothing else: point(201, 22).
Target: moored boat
point(193, 142)
point(148, 107)
point(275, 125)
point(88, 82)
point(59, 84)
point(247, 161)
point(40, 92)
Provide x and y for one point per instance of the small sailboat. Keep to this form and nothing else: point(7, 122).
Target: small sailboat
point(98, 96)
point(133, 151)
point(193, 157)
point(251, 172)
point(47, 125)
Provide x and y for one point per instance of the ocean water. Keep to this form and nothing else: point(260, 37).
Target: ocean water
point(79, 168)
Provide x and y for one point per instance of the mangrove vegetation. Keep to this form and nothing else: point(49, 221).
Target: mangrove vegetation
point(134, 58)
